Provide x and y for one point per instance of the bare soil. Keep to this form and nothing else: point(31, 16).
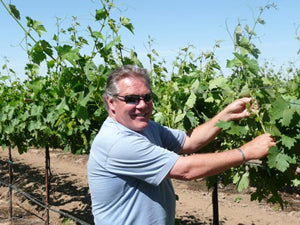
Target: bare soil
point(69, 194)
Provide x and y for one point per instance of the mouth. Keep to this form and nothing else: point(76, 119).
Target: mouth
point(140, 115)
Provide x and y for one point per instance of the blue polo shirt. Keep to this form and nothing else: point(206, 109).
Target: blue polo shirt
point(126, 174)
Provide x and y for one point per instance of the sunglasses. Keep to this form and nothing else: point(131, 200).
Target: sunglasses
point(135, 99)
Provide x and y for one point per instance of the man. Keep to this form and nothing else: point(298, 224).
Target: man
point(132, 158)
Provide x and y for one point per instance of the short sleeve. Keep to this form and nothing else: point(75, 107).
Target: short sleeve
point(172, 139)
point(168, 138)
point(136, 156)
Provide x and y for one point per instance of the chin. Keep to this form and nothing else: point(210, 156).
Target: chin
point(140, 127)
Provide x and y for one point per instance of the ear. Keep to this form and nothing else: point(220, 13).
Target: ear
point(111, 104)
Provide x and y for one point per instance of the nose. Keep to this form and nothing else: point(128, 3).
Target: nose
point(141, 103)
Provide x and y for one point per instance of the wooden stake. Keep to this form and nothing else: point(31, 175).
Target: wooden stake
point(215, 204)
point(47, 168)
point(10, 183)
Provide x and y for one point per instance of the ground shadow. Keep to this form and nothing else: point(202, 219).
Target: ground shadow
point(193, 220)
point(62, 190)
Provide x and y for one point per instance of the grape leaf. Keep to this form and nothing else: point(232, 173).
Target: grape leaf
point(191, 101)
point(72, 56)
point(288, 141)
point(237, 130)
point(195, 86)
point(242, 182)
point(287, 117)
point(82, 113)
point(295, 105)
point(282, 162)
point(224, 125)
point(179, 117)
point(90, 70)
point(101, 14)
point(278, 160)
point(126, 23)
point(278, 107)
point(232, 128)
point(218, 82)
point(274, 131)
point(37, 54)
point(191, 116)
point(159, 117)
point(14, 11)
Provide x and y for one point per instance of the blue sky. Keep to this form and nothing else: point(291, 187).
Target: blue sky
point(172, 24)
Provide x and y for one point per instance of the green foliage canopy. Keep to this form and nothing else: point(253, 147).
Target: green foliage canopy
point(64, 108)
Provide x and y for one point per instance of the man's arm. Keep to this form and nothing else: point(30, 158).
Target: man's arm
point(204, 165)
point(205, 133)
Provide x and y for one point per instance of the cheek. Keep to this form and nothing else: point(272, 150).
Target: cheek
point(151, 107)
point(126, 111)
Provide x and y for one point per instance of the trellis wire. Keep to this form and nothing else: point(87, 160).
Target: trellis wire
point(46, 206)
point(36, 201)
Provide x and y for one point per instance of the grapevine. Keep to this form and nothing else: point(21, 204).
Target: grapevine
point(63, 108)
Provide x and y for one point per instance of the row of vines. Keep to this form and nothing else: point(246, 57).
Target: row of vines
point(63, 107)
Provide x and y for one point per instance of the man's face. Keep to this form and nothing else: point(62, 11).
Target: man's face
point(133, 116)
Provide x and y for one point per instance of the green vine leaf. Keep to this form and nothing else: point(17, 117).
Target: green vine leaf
point(37, 26)
point(287, 116)
point(191, 101)
point(219, 82)
point(278, 160)
point(71, 56)
point(101, 14)
point(126, 23)
point(278, 107)
point(179, 117)
point(13, 9)
point(82, 113)
point(288, 141)
point(224, 125)
point(90, 71)
point(37, 54)
point(242, 181)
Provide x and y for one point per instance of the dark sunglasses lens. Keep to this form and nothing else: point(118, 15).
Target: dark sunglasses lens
point(135, 99)
point(147, 98)
point(132, 99)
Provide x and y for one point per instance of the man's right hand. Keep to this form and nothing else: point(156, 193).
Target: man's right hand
point(258, 147)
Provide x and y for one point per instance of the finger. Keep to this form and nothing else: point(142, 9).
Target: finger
point(246, 99)
point(254, 104)
point(254, 107)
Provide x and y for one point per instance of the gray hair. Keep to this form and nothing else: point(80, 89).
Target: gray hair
point(120, 73)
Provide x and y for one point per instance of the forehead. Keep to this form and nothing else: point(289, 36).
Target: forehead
point(133, 85)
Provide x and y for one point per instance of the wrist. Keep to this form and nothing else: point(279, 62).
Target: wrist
point(242, 154)
point(223, 116)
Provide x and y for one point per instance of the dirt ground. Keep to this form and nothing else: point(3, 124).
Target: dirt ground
point(69, 194)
